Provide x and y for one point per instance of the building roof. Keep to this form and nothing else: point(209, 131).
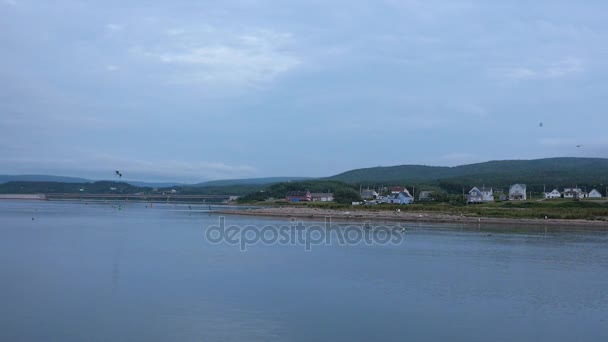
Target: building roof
point(322, 194)
point(297, 193)
point(474, 189)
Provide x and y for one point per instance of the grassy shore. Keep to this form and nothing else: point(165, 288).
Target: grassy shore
point(554, 212)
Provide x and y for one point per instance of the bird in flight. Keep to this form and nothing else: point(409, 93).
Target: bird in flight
point(579, 146)
point(118, 174)
point(540, 124)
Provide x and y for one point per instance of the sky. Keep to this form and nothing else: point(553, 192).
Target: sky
point(199, 90)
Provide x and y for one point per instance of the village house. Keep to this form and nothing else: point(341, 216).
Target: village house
point(399, 198)
point(553, 194)
point(517, 192)
point(369, 194)
point(398, 189)
point(299, 196)
point(574, 193)
point(395, 190)
point(322, 196)
point(488, 194)
point(480, 196)
point(426, 196)
point(595, 194)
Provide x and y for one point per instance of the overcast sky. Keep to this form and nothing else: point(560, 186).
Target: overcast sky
point(196, 90)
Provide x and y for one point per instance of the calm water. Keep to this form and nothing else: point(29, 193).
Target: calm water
point(96, 273)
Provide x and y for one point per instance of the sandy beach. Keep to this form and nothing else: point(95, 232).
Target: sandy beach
point(376, 216)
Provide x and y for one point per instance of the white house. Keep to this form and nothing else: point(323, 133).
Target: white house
point(595, 194)
point(322, 196)
point(399, 189)
point(426, 195)
point(517, 192)
point(553, 194)
point(399, 198)
point(369, 194)
point(488, 195)
point(480, 196)
point(574, 193)
point(475, 196)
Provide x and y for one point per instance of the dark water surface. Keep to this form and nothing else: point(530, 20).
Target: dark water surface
point(96, 273)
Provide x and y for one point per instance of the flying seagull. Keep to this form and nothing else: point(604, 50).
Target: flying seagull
point(118, 174)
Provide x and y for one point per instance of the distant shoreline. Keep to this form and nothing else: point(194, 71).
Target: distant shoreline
point(393, 216)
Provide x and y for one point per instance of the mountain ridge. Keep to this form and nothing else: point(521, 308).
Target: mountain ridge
point(545, 170)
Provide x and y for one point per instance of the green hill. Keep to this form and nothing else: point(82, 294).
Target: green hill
point(538, 172)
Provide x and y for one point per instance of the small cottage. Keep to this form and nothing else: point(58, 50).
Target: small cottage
point(322, 196)
point(517, 192)
point(400, 198)
point(595, 194)
point(475, 196)
point(553, 194)
point(369, 194)
point(574, 193)
point(299, 196)
point(426, 196)
point(480, 196)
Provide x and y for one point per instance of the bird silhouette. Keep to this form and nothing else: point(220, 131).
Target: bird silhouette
point(540, 124)
point(579, 146)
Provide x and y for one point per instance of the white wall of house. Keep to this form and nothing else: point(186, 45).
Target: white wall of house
point(595, 194)
point(553, 194)
point(518, 192)
point(488, 195)
point(574, 193)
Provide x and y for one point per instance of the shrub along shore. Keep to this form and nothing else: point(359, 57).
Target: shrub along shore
point(579, 213)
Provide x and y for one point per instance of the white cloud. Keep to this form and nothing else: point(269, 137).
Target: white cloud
point(208, 56)
point(114, 27)
point(111, 67)
point(558, 69)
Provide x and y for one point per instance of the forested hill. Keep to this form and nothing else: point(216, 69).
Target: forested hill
point(557, 171)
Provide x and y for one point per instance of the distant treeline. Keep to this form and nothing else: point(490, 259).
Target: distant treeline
point(109, 187)
point(342, 192)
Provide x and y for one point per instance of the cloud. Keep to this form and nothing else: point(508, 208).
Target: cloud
point(250, 58)
point(558, 69)
point(111, 68)
point(114, 27)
